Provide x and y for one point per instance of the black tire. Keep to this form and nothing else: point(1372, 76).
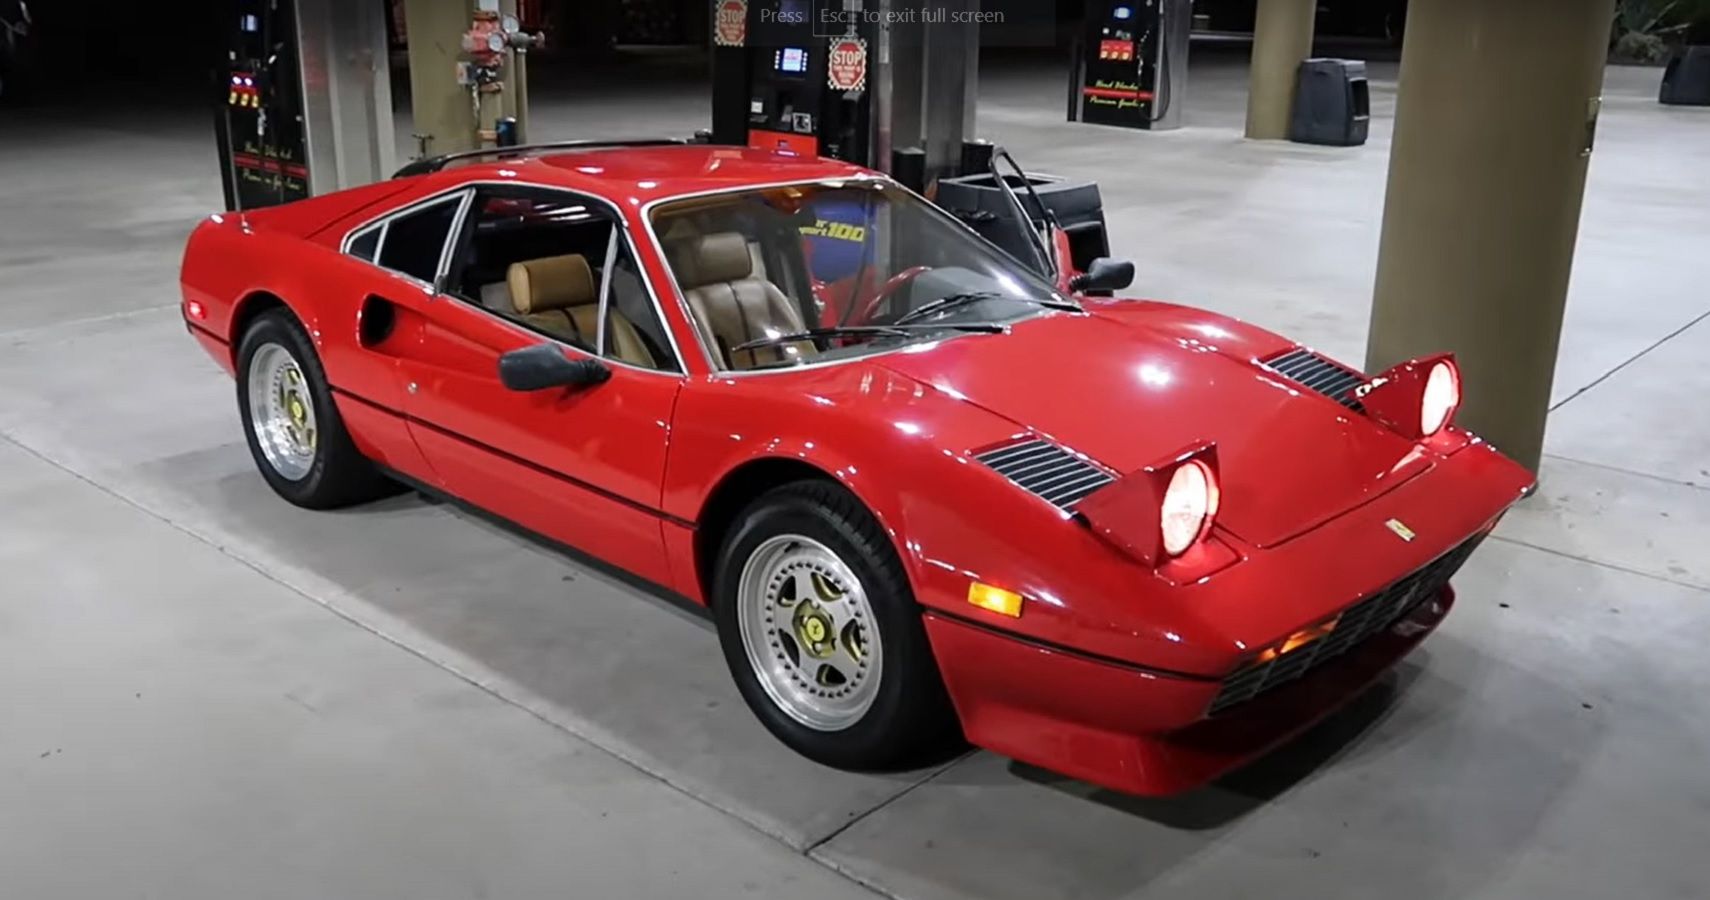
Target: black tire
point(339, 474)
point(911, 721)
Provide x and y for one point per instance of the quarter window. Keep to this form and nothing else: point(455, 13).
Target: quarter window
point(366, 244)
point(415, 241)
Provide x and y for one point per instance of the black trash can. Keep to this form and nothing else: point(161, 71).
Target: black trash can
point(1332, 103)
point(1686, 81)
point(978, 201)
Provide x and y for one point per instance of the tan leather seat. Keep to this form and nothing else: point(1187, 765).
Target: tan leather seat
point(558, 295)
point(730, 305)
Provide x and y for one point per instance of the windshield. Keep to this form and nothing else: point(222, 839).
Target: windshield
point(828, 271)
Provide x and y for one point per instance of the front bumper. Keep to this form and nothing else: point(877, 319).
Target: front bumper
point(1090, 698)
point(1137, 730)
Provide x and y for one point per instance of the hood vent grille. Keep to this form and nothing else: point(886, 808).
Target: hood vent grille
point(1046, 470)
point(1332, 379)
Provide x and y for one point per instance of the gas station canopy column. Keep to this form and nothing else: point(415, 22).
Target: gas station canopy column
point(468, 74)
point(1493, 137)
point(441, 109)
point(1282, 39)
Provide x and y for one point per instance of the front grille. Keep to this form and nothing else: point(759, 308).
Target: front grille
point(1318, 373)
point(1363, 620)
point(1046, 470)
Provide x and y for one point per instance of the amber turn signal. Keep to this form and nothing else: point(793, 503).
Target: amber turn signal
point(995, 599)
point(1298, 640)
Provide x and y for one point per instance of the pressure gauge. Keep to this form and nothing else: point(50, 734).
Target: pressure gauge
point(496, 42)
point(510, 24)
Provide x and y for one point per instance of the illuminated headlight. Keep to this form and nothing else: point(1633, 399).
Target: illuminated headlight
point(1442, 395)
point(1190, 503)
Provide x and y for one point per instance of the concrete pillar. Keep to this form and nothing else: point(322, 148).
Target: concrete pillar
point(1496, 113)
point(444, 113)
point(1282, 37)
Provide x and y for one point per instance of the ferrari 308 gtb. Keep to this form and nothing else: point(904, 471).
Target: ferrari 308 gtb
point(930, 489)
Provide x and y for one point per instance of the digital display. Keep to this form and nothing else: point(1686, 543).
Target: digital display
point(249, 23)
point(1124, 13)
point(792, 61)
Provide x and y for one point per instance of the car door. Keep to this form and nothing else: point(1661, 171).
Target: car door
point(582, 465)
point(384, 266)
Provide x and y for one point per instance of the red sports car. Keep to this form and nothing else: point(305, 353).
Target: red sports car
point(928, 490)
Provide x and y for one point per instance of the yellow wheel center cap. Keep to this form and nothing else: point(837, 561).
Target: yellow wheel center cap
point(814, 629)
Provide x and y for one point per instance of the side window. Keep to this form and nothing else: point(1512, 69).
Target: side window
point(415, 241)
point(742, 263)
point(365, 244)
point(546, 260)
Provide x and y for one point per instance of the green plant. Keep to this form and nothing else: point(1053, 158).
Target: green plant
point(1645, 30)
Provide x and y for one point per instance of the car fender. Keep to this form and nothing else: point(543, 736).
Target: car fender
point(876, 433)
point(228, 267)
point(905, 450)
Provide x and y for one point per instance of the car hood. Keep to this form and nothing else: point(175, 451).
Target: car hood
point(1132, 389)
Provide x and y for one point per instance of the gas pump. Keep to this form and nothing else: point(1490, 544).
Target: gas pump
point(263, 154)
point(1130, 65)
point(783, 80)
point(302, 99)
point(887, 84)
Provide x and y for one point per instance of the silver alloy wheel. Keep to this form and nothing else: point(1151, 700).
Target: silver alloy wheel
point(282, 412)
point(809, 631)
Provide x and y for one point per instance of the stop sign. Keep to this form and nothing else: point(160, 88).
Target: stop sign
point(846, 69)
point(730, 25)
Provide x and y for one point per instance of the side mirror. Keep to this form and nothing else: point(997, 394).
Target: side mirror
point(1105, 274)
point(545, 366)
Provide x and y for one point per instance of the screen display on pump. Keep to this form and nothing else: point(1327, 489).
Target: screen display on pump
point(792, 61)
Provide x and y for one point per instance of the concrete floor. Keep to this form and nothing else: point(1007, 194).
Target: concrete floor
point(205, 693)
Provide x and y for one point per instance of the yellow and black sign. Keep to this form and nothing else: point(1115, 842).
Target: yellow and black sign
point(841, 231)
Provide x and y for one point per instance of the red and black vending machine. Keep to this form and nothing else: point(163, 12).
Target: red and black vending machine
point(1131, 64)
point(258, 100)
point(792, 75)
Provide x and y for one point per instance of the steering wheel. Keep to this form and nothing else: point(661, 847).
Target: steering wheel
point(896, 283)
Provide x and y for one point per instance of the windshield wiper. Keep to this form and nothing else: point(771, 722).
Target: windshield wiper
point(894, 330)
point(954, 300)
